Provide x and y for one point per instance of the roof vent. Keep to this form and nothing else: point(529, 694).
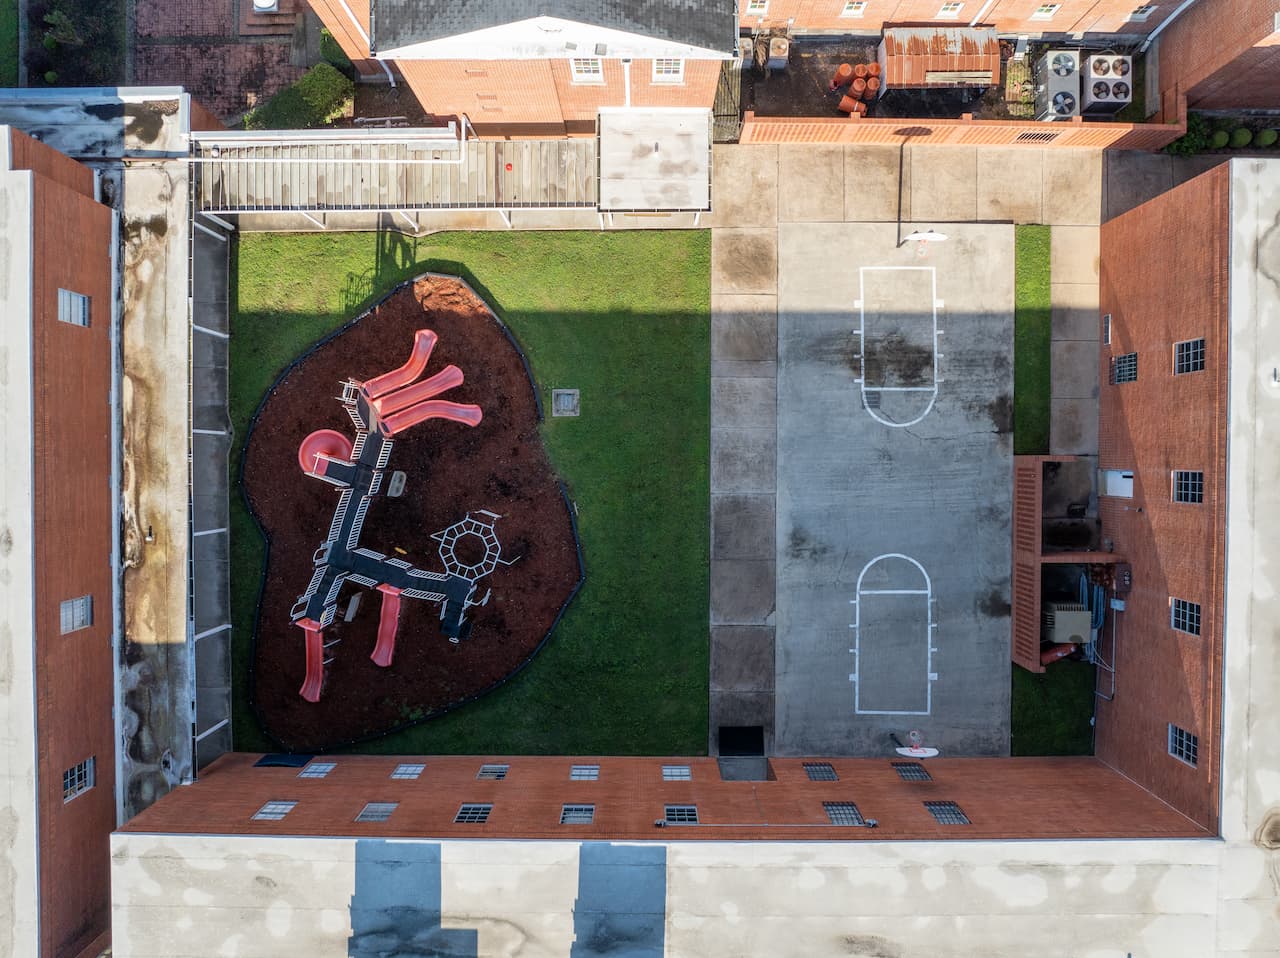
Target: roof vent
point(602, 49)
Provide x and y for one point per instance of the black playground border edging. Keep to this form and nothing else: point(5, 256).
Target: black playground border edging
point(266, 539)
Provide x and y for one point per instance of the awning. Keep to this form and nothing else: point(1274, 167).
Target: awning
point(931, 57)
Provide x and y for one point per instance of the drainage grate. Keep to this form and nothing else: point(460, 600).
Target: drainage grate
point(564, 402)
point(1045, 137)
point(871, 398)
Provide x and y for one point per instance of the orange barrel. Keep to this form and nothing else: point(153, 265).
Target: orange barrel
point(857, 88)
point(844, 73)
point(873, 69)
point(860, 70)
point(849, 105)
point(873, 88)
point(859, 107)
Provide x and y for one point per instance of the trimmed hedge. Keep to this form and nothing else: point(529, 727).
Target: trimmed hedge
point(1241, 137)
point(1266, 138)
point(318, 97)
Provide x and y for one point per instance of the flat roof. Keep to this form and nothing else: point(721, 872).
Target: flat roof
point(102, 123)
point(655, 159)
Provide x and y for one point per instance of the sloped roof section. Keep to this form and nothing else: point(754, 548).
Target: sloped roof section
point(931, 56)
point(712, 24)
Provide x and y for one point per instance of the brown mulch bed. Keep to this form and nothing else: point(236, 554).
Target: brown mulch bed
point(500, 465)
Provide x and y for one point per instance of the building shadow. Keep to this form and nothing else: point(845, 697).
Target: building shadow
point(621, 909)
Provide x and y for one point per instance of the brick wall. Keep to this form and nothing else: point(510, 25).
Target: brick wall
point(1164, 274)
point(1008, 16)
point(1221, 54)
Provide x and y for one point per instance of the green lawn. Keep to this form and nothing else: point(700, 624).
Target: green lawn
point(1031, 325)
point(624, 317)
point(1050, 713)
point(8, 43)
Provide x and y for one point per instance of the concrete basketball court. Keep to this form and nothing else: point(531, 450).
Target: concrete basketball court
point(921, 481)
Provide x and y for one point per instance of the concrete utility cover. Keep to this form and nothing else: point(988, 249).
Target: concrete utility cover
point(564, 402)
point(396, 486)
point(655, 159)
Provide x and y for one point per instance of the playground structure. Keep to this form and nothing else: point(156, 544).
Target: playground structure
point(381, 409)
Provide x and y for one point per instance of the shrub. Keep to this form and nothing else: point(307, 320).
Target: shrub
point(62, 30)
point(332, 53)
point(1266, 138)
point(1241, 137)
point(51, 77)
point(1219, 139)
point(316, 99)
point(1195, 140)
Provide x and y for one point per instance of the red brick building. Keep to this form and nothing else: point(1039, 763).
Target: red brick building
point(56, 547)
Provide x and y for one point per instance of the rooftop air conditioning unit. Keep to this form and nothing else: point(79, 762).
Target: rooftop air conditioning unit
point(1108, 84)
point(1066, 623)
point(1058, 85)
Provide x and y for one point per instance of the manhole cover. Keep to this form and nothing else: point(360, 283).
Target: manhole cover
point(396, 486)
point(564, 402)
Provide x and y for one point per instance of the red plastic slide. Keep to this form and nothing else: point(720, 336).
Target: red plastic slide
point(388, 623)
point(322, 442)
point(467, 414)
point(424, 341)
point(315, 659)
point(446, 379)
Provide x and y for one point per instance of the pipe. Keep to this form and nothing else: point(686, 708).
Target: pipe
point(981, 13)
point(1164, 23)
point(117, 442)
point(369, 46)
point(626, 80)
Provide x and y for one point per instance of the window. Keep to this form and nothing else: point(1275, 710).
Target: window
point(496, 772)
point(1188, 486)
point(73, 308)
point(1106, 330)
point(376, 812)
point(843, 813)
point(408, 772)
point(584, 773)
point(760, 7)
point(1045, 11)
point(947, 813)
point(1185, 616)
point(1143, 12)
point(950, 11)
point(472, 815)
point(1183, 745)
point(1188, 357)
point(77, 780)
point(682, 814)
point(76, 614)
point(821, 772)
point(317, 769)
point(668, 71)
point(854, 8)
point(587, 69)
point(1124, 369)
point(577, 814)
point(274, 811)
point(676, 773)
point(912, 772)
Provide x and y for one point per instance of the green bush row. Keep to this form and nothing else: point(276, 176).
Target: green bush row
point(320, 96)
point(1201, 136)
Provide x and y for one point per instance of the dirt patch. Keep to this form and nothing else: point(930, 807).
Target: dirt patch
point(500, 466)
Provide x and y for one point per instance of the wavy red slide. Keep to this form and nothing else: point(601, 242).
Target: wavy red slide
point(424, 341)
point(465, 413)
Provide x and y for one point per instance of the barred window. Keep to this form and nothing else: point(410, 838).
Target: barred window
point(497, 772)
point(843, 813)
point(274, 811)
point(821, 772)
point(376, 811)
point(75, 614)
point(584, 773)
point(317, 769)
point(947, 813)
point(73, 308)
point(1188, 356)
point(408, 772)
point(1185, 616)
point(78, 779)
point(1106, 329)
point(1188, 486)
point(1183, 745)
point(676, 773)
point(1124, 369)
point(682, 814)
point(577, 814)
point(912, 772)
point(472, 814)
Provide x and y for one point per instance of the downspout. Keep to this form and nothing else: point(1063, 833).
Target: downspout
point(117, 439)
point(1164, 23)
point(626, 79)
point(981, 13)
point(365, 37)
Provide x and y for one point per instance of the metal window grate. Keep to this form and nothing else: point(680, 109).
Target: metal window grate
point(1124, 369)
point(821, 772)
point(947, 813)
point(912, 772)
point(376, 812)
point(843, 813)
point(682, 814)
point(317, 769)
point(75, 614)
point(1188, 486)
point(1183, 745)
point(495, 772)
point(1106, 329)
point(584, 773)
point(1188, 356)
point(408, 772)
point(676, 773)
point(274, 811)
point(472, 815)
point(1184, 616)
point(577, 814)
point(78, 779)
point(1036, 137)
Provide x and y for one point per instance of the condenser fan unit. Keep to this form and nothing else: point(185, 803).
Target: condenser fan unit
point(1064, 104)
point(1064, 64)
point(1120, 67)
point(1101, 67)
point(1120, 90)
point(1101, 90)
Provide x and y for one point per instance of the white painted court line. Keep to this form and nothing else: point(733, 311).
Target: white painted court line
point(859, 305)
point(859, 593)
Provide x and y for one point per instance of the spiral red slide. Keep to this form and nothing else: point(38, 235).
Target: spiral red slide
point(388, 623)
